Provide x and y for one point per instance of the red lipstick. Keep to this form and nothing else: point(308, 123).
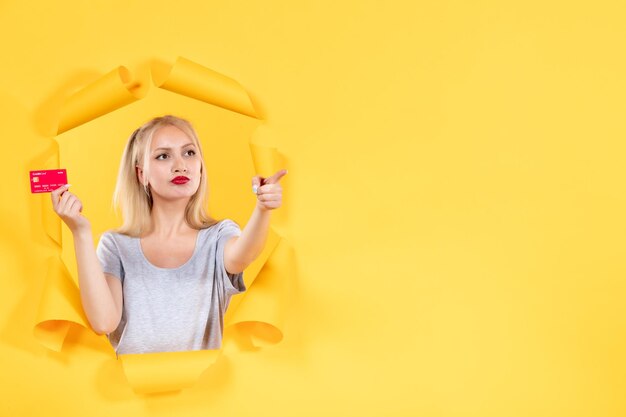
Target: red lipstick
point(180, 180)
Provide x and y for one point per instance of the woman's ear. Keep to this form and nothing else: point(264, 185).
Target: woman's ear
point(139, 172)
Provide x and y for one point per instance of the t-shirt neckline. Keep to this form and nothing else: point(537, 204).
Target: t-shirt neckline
point(189, 261)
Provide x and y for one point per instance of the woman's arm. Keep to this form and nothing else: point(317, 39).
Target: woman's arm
point(239, 252)
point(99, 301)
point(102, 310)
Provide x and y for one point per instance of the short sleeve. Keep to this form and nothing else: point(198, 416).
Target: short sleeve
point(108, 254)
point(233, 283)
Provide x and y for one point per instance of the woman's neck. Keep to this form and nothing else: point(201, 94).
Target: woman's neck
point(168, 219)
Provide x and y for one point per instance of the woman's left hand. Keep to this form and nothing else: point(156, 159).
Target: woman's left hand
point(269, 193)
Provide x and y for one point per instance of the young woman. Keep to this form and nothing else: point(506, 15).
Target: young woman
point(162, 281)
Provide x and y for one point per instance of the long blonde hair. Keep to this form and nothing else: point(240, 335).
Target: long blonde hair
point(135, 199)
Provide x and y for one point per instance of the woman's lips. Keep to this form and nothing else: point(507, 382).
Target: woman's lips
point(180, 180)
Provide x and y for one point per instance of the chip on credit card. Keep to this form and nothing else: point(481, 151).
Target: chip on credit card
point(47, 180)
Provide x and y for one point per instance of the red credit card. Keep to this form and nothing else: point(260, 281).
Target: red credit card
point(47, 180)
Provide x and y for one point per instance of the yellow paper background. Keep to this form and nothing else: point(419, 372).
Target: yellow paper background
point(454, 202)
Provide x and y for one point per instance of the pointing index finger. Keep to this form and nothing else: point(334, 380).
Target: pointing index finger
point(274, 178)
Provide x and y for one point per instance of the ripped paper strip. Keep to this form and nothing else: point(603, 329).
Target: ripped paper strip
point(258, 313)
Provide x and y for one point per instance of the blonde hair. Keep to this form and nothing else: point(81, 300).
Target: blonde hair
point(135, 199)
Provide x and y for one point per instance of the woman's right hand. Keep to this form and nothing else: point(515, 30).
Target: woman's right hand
point(69, 208)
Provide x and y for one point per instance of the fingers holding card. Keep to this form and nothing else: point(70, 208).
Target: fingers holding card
point(65, 204)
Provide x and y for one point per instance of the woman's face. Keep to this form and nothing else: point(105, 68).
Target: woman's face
point(172, 154)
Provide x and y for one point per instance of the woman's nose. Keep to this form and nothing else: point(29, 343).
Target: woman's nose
point(179, 165)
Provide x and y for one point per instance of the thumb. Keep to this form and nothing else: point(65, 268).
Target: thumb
point(256, 182)
point(276, 177)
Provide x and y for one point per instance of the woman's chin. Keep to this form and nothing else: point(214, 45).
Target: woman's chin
point(181, 195)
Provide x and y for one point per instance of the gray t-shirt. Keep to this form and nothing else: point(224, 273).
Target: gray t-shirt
point(171, 309)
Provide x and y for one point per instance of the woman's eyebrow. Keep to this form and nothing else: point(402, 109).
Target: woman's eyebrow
point(167, 149)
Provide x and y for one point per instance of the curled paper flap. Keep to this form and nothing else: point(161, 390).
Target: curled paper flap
point(269, 311)
point(150, 373)
point(260, 319)
point(114, 90)
point(193, 80)
point(264, 156)
point(60, 305)
point(262, 316)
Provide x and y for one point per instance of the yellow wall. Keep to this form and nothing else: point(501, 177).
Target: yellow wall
point(454, 200)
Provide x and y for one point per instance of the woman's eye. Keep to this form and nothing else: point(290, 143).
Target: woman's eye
point(164, 154)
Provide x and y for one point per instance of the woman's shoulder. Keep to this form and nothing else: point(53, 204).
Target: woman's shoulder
point(112, 232)
point(227, 224)
point(220, 228)
point(113, 235)
point(220, 224)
